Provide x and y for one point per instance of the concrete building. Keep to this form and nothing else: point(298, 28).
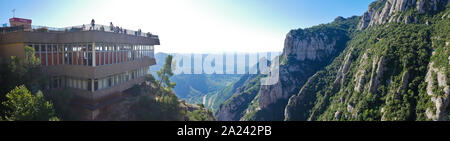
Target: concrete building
point(96, 62)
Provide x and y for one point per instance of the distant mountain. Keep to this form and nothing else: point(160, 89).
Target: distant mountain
point(207, 89)
point(202, 88)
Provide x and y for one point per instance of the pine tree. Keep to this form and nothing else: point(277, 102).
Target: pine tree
point(164, 75)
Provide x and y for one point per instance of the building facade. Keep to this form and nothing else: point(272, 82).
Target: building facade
point(96, 65)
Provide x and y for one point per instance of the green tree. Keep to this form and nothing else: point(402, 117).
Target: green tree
point(150, 78)
point(164, 75)
point(21, 71)
point(61, 100)
point(22, 105)
point(16, 71)
point(166, 108)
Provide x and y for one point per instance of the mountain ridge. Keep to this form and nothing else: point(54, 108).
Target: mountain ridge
point(384, 71)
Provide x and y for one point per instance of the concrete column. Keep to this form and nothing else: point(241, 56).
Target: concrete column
point(53, 59)
point(92, 85)
point(120, 54)
point(109, 54)
point(71, 56)
point(46, 55)
point(57, 53)
point(63, 54)
point(93, 54)
point(40, 54)
point(78, 55)
point(104, 54)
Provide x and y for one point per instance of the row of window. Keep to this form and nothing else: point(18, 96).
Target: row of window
point(98, 84)
point(82, 53)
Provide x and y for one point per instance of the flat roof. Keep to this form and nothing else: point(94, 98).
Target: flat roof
point(76, 37)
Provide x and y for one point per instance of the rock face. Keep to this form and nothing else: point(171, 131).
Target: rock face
point(304, 50)
point(377, 72)
point(437, 112)
point(386, 11)
point(325, 75)
point(424, 6)
point(226, 112)
point(294, 106)
point(233, 109)
point(381, 73)
point(361, 73)
point(303, 45)
point(344, 69)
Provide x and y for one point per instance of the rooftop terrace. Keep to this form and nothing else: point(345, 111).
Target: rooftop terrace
point(85, 27)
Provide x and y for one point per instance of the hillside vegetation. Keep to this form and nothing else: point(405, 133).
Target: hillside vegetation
point(390, 64)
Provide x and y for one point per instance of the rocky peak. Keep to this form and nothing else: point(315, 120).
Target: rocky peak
point(301, 48)
point(386, 11)
point(304, 45)
point(424, 6)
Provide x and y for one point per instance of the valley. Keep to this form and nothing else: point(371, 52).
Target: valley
point(391, 64)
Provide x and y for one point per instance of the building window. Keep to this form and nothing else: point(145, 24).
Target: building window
point(89, 52)
point(89, 86)
point(110, 82)
point(43, 48)
point(55, 82)
point(95, 84)
point(54, 51)
point(70, 54)
point(36, 48)
point(105, 84)
point(84, 57)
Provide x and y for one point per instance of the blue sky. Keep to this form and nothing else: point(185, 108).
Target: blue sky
point(192, 25)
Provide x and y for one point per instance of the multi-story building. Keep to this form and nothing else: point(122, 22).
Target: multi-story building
point(96, 62)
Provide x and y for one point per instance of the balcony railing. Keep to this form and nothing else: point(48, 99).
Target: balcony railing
point(85, 27)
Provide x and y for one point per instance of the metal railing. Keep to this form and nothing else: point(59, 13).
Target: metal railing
point(85, 27)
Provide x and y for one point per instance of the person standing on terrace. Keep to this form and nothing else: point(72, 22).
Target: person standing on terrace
point(111, 26)
point(92, 24)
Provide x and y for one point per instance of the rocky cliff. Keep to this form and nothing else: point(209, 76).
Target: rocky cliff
point(305, 52)
point(387, 72)
point(243, 91)
point(386, 11)
point(390, 64)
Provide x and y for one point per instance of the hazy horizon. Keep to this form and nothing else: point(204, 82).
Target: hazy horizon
point(192, 26)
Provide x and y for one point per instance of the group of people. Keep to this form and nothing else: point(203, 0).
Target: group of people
point(115, 29)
